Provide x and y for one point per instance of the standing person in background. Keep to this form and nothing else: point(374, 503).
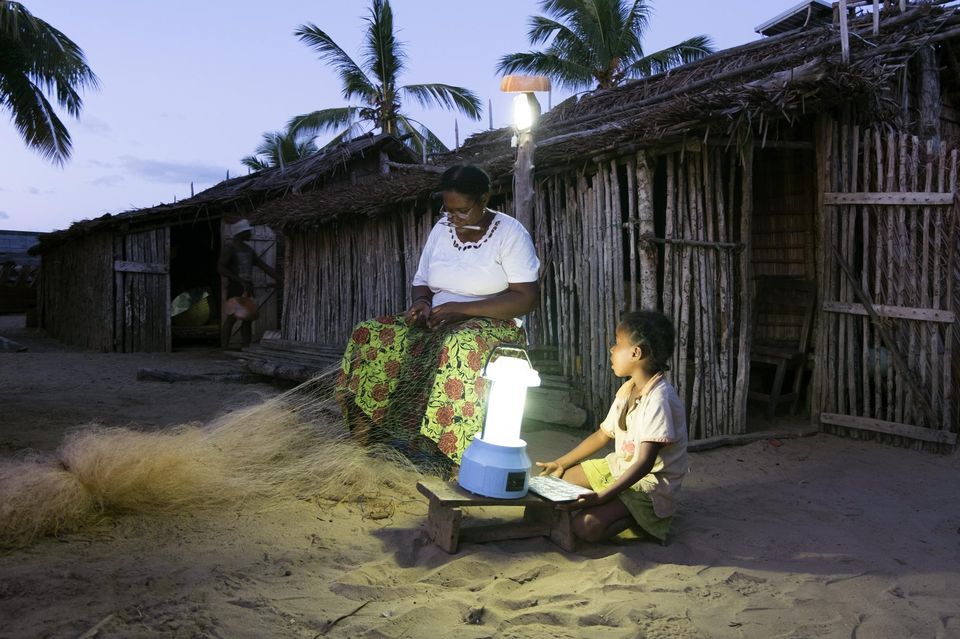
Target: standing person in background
point(236, 263)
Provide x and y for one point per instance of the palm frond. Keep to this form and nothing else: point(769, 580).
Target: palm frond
point(37, 60)
point(322, 121)
point(254, 163)
point(445, 95)
point(34, 118)
point(565, 71)
point(421, 139)
point(344, 136)
point(541, 28)
point(687, 51)
point(383, 53)
point(635, 22)
point(354, 81)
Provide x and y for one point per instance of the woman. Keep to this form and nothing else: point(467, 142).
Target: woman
point(413, 381)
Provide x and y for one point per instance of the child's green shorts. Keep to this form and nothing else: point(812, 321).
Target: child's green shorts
point(636, 501)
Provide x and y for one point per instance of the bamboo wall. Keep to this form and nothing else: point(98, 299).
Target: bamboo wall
point(887, 357)
point(350, 271)
point(76, 292)
point(612, 240)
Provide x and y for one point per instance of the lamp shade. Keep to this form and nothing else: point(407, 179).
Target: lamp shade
point(510, 377)
point(524, 83)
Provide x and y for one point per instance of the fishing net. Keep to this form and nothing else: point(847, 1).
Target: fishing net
point(419, 391)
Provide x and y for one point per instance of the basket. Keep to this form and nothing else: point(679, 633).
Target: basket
point(190, 308)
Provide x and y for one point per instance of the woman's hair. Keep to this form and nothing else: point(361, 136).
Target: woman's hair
point(652, 332)
point(467, 179)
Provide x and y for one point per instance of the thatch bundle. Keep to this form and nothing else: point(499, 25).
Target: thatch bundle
point(286, 447)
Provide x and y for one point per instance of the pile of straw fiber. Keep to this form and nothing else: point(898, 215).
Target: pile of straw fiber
point(289, 446)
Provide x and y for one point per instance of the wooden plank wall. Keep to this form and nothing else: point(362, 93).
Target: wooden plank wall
point(890, 213)
point(141, 263)
point(76, 292)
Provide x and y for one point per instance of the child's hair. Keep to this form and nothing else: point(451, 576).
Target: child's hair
point(652, 332)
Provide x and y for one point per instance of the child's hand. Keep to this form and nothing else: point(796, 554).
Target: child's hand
point(586, 500)
point(551, 468)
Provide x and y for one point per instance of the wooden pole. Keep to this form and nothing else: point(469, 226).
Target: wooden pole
point(648, 255)
point(746, 286)
point(523, 180)
point(844, 33)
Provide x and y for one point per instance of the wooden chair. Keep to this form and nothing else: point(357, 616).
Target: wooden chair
point(783, 311)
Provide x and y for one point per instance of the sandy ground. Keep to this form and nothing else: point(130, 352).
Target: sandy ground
point(810, 537)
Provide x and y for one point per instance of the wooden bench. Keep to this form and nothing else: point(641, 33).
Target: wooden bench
point(447, 500)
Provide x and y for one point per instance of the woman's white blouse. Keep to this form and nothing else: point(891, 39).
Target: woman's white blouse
point(468, 271)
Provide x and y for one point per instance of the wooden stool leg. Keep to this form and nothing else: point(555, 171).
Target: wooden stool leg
point(557, 522)
point(443, 526)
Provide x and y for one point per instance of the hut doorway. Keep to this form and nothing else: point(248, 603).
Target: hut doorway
point(195, 283)
point(783, 266)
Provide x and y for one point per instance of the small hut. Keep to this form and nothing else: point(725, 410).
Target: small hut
point(822, 159)
point(107, 283)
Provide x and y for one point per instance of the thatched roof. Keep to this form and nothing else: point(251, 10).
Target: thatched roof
point(728, 94)
point(238, 197)
point(731, 92)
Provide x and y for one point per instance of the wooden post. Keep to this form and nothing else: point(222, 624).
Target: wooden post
point(930, 101)
point(648, 250)
point(523, 180)
point(746, 286)
point(844, 33)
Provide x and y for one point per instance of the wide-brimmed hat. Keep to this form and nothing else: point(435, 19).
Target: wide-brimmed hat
point(239, 227)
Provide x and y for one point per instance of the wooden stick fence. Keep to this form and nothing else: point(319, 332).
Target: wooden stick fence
point(886, 343)
point(605, 260)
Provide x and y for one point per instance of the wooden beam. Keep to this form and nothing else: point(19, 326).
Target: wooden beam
point(916, 198)
point(891, 428)
point(138, 267)
point(899, 312)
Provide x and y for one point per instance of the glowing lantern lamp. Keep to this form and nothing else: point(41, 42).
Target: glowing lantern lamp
point(495, 463)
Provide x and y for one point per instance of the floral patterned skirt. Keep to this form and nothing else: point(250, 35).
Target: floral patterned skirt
point(418, 390)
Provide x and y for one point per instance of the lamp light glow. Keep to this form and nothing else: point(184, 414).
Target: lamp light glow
point(510, 377)
point(495, 463)
point(526, 111)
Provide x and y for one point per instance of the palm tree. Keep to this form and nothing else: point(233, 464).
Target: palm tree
point(375, 86)
point(597, 44)
point(37, 60)
point(279, 148)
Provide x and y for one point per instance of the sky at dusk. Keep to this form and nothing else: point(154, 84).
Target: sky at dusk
point(188, 88)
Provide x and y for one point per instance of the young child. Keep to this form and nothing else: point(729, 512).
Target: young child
point(637, 484)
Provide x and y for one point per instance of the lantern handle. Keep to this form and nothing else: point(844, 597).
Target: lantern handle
point(506, 346)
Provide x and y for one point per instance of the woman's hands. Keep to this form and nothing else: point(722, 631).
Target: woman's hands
point(445, 314)
point(418, 313)
point(421, 313)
